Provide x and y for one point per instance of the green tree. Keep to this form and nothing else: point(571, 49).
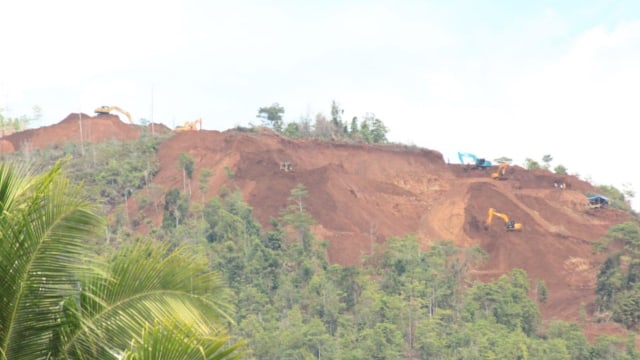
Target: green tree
point(379, 131)
point(10, 125)
point(353, 129)
point(546, 159)
point(186, 165)
point(273, 115)
point(503, 160)
point(296, 215)
point(336, 115)
point(573, 336)
point(531, 164)
point(203, 182)
point(541, 290)
point(561, 170)
point(292, 130)
point(617, 198)
point(176, 208)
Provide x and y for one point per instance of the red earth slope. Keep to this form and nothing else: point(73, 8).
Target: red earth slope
point(76, 128)
point(361, 194)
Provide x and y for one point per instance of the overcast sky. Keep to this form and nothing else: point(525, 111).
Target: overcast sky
point(495, 78)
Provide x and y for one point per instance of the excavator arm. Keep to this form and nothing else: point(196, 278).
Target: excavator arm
point(195, 125)
point(104, 110)
point(477, 162)
point(501, 173)
point(509, 224)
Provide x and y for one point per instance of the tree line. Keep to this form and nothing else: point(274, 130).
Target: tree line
point(369, 129)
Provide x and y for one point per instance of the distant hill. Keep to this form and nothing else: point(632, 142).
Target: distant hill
point(360, 195)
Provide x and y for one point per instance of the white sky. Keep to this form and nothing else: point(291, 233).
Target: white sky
point(494, 78)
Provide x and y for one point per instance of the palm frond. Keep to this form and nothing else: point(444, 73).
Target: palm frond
point(44, 225)
point(176, 340)
point(150, 283)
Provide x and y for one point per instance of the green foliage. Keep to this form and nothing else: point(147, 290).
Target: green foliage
point(546, 159)
point(186, 164)
point(272, 114)
point(561, 170)
point(354, 129)
point(531, 164)
point(229, 172)
point(617, 199)
point(503, 160)
point(10, 125)
point(109, 171)
point(618, 281)
point(59, 301)
point(146, 284)
point(292, 130)
point(336, 115)
point(541, 291)
point(506, 301)
point(296, 215)
point(573, 337)
point(370, 129)
point(610, 348)
point(176, 208)
point(627, 308)
point(171, 339)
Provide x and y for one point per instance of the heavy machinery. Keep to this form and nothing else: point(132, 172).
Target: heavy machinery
point(598, 201)
point(501, 173)
point(286, 166)
point(509, 224)
point(106, 110)
point(478, 163)
point(195, 125)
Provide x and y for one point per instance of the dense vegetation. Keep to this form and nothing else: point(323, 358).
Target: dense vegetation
point(287, 301)
point(59, 300)
point(401, 303)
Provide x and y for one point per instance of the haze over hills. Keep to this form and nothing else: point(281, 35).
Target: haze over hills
point(360, 195)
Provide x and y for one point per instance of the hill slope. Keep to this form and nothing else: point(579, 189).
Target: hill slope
point(362, 194)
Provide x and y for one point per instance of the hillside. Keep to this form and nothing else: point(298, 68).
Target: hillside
point(362, 194)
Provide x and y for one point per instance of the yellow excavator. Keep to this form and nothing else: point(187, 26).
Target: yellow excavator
point(106, 110)
point(190, 126)
point(501, 174)
point(509, 224)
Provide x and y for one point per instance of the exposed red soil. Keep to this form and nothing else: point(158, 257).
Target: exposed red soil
point(360, 195)
point(76, 128)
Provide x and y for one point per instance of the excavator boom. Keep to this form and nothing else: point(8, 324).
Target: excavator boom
point(509, 224)
point(477, 162)
point(105, 110)
point(195, 125)
point(501, 173)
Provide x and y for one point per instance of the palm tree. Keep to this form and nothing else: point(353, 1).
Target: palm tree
point(58, 301)
point(147, 286)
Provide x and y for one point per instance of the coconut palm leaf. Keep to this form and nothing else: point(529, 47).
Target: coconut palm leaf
point(175, 340)
point(148, 283)
point(44, 225)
